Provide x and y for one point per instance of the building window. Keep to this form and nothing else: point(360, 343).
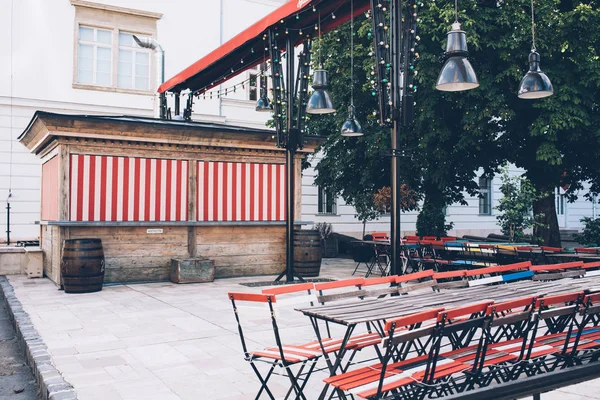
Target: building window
point(134, 64)
point(94, 56)
point(485, 196)
point(106, 57)
point(560, 202)
point(95, 59)
point(253, 85)
point(327, 202)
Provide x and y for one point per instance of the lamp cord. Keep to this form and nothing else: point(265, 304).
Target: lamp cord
point(532, 28)
point(352, 53)
point(320, 42)
point(456, 10)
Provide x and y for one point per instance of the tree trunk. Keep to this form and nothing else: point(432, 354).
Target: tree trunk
point(431, 220)
point(549, 232)
point(364, 228)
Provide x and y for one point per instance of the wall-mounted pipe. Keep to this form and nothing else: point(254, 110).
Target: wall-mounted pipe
point(159, 58)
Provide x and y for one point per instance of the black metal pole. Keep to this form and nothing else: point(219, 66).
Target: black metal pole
point(396, 80)
point(7, 223)
point(290, 152)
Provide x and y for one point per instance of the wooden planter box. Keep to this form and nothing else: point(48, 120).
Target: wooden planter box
point(192, 270)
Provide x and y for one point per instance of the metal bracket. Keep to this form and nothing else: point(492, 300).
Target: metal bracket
point(382, 61)
point(301, 91)
point(187, 111)
point(278, 88)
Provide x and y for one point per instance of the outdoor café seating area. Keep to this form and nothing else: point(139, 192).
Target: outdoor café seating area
point(426, 334)
point(372, 255)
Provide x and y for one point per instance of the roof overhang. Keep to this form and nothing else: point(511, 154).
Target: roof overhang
point(45, 127)
point(295, 15)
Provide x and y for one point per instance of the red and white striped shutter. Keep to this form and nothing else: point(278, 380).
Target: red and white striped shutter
point(105, 188)
point(240, 191)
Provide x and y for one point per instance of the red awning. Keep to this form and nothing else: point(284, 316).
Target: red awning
point(249, 44)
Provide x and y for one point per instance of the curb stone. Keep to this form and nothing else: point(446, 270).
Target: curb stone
point(50, 382)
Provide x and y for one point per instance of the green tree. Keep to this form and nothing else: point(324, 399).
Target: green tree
point(518, 195)
point(556, 139)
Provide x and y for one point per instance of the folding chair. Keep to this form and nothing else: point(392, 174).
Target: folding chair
point(434, 373)
point(551, 328)
point(425, 279)
point(586, 344)
point(376, 379)
point(363, 253)
point(587, 250)
point(509, 323)
point(450, 279)
point(591, 268)
point(381, 236)
point(550, 272)
point(281, 355)
point(357, 291)
point(500, 274)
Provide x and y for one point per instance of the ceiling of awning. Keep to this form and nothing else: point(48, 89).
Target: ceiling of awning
point(246, 49)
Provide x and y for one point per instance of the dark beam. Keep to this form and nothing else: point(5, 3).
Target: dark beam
point(533, 385)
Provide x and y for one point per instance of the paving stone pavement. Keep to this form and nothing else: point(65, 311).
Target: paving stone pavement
point(166, 341)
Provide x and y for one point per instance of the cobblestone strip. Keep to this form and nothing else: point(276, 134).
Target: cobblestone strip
point(50, 381)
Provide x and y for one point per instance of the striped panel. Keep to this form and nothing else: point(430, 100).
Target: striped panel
point(240, 191)
point(105, 188)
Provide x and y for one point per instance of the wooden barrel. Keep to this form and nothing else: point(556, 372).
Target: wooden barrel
point(82, 267)
point(307, 253)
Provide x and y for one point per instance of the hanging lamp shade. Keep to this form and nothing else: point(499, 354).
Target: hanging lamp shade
point(351, 127)
point(457, 74)
point(535, 84)
point(319, 101)
point(264, 104)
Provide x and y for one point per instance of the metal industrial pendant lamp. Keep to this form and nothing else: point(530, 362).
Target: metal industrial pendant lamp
point(319, 101)
point(351, 127)
point(535, 84)
point(264, 104)
point(457, 74)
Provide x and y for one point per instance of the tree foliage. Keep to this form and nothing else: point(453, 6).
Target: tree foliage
point(556, 139)
point(518, 196)
point(591, 232)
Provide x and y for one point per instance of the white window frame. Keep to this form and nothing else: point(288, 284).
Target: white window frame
point(256, 85)
point(114, 60)
point(487, 190)
point(95, 45)
point(135, 50)
point(322, 197)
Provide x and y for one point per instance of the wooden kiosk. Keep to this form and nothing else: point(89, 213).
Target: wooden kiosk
point(155, 189)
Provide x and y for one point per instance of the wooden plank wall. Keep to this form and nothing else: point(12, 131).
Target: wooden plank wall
point(242, 250)
point(133, 255)
point(50, 243)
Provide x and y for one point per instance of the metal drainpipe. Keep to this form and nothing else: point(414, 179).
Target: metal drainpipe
point(221, 19)
point(159, 57)
point(8, 217)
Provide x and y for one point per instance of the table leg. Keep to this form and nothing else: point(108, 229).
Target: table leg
point(333, 367)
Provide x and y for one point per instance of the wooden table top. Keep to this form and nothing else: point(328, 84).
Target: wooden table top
point(373, 310)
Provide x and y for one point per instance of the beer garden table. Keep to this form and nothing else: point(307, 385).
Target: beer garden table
point(375, 312)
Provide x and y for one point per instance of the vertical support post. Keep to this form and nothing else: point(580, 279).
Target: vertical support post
point(192, 206)
point(396, 80)
point(290, 152)
point(177, 105)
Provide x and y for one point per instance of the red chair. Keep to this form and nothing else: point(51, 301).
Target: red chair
point(587, 250)
point(380, 236)
point(281, 355)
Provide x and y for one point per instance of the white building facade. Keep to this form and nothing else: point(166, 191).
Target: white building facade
point(79, 57)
